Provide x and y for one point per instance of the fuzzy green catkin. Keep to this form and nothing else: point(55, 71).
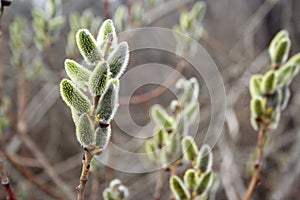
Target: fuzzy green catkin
point(160, 138)
point(107, 195)
point(255, 85)
point(182, 124)
point(205, 182)
point(191, 91)
point(276, 48)
point(77, 73)
point(108, 102)
point(191, 112)
point(257, 106)
point(190, 179)
point(105, 30)
point(102, 137)
point(178, 189)
point(87, 46)
point(99, 78)
point(269, 82)
point(189, 148)
point(285, 75)
point(198, 10)
point(161, 117)
point(204, 159)
point(118, 60)
point(150, 150)
point(281, 52)
point(73, 97)
point(85, 130)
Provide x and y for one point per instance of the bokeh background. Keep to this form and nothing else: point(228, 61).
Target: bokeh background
point(236, 35)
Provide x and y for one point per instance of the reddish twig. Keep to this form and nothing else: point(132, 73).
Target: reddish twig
point(32, 178)
point(6, 183)
point(255, 176)
point(86, 162)
point(107, 9)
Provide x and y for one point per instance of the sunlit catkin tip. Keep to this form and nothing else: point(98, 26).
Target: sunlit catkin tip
point(77, 73)
point(73, 97)
point(279, 47)
point(189, 148)
point(204, 159)
point(87, 46)
point(85, 130)
point(102, 137)
point(99, 79)
point(178, 189)
point(190, 179)
point(108, 103)
point(107, 30)
point(118, 60)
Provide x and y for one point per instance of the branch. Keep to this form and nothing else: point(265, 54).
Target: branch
point(255, 175)
point(6, 183)
point(86, 161)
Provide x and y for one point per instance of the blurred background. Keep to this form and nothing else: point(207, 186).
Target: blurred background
point(38, 145)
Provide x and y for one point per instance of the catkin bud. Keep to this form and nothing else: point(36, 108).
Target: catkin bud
point(178, 189)
point(181, 124)
point(150, 149)
point(279, 47)
point(255, 85)
point(191, 112)
point(205, 182)
point(204, 159)
point(108, 103)
point(102, 137)
point(161, 117)
point(285, 75)
point(107, 195)
point(105, 30)
point(198, 10)
point(87, 46)
point(190, 179)
point(257, 106)
point(77, 73)
point(161, 138)
point(189, 148)
point(118, 60)
point(73, 97)
point(85, 130)
point(99, 78)
point(269, 82)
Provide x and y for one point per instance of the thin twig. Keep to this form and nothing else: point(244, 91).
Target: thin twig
point(6, 183)
point(159, 184)
point(255, 175)
point(86, 161)
point(32, 178)
point(22, 132)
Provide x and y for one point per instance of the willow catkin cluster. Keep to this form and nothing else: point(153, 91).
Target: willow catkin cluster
point(270, 92)
point(116, 191)
point(109, 60)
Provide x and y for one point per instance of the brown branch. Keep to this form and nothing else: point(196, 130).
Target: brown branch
point(255, 176)
point(137, 99)
point(6, 183)
point(27, 141)
point(31, 177)
point(86, 161)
